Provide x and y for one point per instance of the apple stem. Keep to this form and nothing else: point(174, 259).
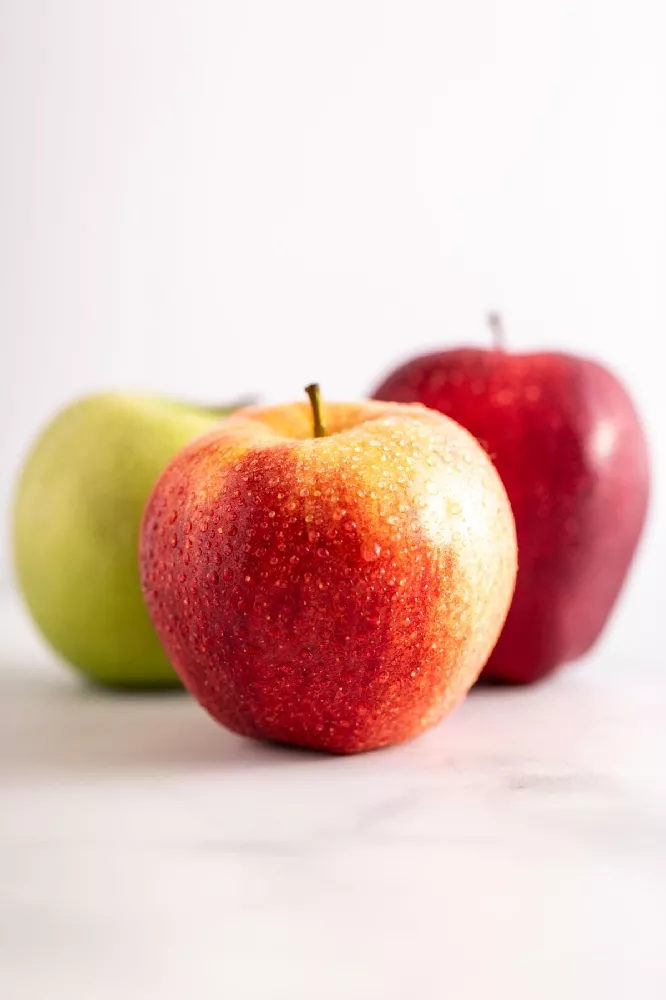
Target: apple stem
point(497, 330)
point(314, 396)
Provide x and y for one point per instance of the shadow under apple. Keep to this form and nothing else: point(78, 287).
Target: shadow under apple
point(59, 725)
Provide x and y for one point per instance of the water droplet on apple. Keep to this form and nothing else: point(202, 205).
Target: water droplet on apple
point(371, 551)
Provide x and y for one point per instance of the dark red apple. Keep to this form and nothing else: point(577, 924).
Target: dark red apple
point(570, 449)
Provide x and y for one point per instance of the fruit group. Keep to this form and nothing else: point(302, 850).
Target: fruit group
point(340, 592)
point(572, 455)
point(77, 513)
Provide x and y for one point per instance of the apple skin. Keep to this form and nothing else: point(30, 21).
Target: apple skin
point(339, 593)
point(571, 452)
point(77, 511)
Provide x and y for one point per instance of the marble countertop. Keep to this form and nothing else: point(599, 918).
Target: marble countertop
point(519, 850)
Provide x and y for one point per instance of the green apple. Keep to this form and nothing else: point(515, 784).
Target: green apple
point(77, 513)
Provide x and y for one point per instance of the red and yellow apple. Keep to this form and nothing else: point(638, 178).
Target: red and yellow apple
point(568, 444)
point(340, 591)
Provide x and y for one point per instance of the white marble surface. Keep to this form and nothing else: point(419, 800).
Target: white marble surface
point(517, 851)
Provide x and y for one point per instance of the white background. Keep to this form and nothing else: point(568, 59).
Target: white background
point(214, 198)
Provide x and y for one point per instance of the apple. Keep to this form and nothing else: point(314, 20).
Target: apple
point(330, 576)
point(77, 512)
point(571, 452)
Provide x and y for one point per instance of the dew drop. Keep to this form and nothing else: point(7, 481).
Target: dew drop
point(371, 551)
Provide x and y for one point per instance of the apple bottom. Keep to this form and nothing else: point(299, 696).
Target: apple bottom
point(339, 663)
